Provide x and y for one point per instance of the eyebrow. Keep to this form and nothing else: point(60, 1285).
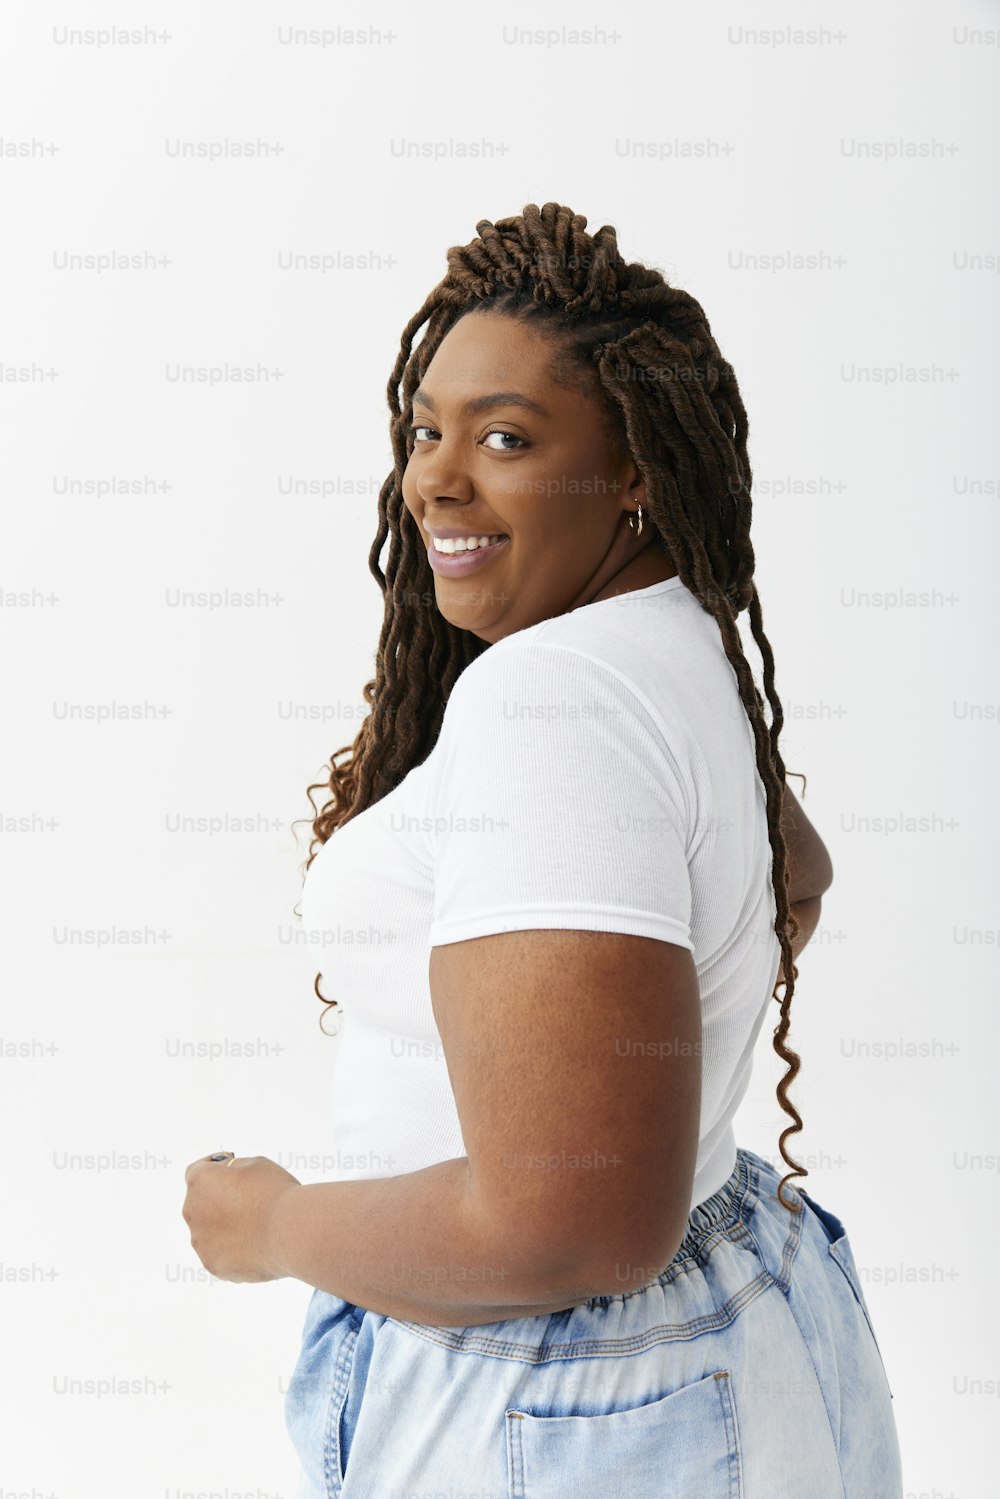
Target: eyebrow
point(486, 403)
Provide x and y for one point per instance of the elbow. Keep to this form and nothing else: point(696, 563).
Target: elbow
point(827, 870)
point(632, 1266)
point(612, 1263)
point(819, 880)
point(573, 1272)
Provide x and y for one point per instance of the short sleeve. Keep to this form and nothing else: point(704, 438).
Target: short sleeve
point(557, 800)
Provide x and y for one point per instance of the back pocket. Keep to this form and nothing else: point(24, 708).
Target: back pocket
point(683, 1446)
point(839, 1249)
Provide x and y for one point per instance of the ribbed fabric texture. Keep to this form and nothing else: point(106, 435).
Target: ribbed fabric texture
point(595, 771)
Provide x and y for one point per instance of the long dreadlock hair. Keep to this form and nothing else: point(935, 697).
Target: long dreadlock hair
point(646, 350)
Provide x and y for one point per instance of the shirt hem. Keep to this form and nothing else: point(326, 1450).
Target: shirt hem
point(629, 923)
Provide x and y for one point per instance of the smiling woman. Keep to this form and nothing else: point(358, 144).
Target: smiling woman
point(571, 869)
point(555, 493)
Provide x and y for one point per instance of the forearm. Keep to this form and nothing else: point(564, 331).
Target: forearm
point(416, 1247)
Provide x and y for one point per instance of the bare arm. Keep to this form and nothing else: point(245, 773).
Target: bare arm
point(573, 1055)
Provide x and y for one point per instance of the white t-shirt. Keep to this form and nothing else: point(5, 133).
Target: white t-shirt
point(593, 771)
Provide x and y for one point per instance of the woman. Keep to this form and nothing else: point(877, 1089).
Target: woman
point(545, 1268)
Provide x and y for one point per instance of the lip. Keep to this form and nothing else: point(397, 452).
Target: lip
point(460, 563)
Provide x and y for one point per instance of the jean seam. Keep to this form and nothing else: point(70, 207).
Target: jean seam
point(724, 1388)
point(783, 1284)
point(663, 1332)
point(788, 1253)
point(515, 1458)
point(333, 1468)
point(859, 1297)
point(826, 1403)
point(853, 1279)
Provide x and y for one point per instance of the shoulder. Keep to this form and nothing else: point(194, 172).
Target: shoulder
point(525, 670)
point(642, 647)
point(554, 710)
point(563, 677)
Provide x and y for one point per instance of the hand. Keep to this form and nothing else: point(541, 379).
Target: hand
point(228, 1210)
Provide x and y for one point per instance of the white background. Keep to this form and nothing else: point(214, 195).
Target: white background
point(860, 486)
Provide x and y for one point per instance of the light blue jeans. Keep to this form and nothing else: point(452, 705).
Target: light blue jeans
point(748, 1370)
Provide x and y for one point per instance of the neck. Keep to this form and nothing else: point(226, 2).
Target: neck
point(650, 565)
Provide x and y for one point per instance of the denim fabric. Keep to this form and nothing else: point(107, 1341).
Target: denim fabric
point(749, 1369)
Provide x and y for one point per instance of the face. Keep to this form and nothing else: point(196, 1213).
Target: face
point(500, 449)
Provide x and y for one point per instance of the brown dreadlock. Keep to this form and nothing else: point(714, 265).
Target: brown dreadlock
point(646, 350)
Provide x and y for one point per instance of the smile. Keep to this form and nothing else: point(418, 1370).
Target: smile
point(452, 544)
point(457, 555)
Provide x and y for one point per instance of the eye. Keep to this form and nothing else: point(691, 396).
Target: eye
point(493, 432)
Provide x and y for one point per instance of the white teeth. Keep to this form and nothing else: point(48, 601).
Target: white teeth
point(464, 543)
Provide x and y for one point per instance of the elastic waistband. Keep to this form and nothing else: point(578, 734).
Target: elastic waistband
point(725, 1205)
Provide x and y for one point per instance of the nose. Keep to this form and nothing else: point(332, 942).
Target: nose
point(440, 476)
